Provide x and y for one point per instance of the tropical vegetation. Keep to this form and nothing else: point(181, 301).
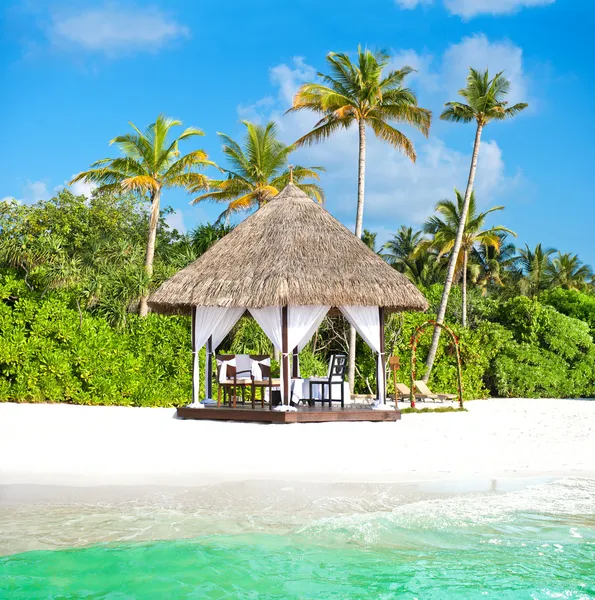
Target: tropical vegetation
point(75, 271)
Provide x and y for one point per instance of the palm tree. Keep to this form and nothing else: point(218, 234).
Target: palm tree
point(204, 236)
point(485, 102)
point(444, 228)
point(258, 171)
point(405, 253)
point(536, 267)
point(569, 272)
point(359, 94)
point(401, 249)
point(369, 238)
point(151, 163)
point(496, 266)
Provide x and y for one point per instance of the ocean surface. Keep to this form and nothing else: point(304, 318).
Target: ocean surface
point(497, 539)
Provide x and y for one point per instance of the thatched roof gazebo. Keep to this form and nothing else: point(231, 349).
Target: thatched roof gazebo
point(288, 264)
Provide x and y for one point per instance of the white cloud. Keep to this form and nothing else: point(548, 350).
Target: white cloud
point(398, 190)
point(175, 220)
point(115, 29)
point(9, 200)
point(410, 4)
point(442, 79)
point(35, 191)
point(478, 52)
point(32, 191)
point(81, 188)
point(471, 8)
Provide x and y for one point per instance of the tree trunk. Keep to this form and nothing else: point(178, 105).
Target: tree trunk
point(359, 222)
point(452, 263)
point(464, 290)
point(154, 221)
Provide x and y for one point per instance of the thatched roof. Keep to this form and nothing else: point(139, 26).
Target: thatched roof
point(290, 251)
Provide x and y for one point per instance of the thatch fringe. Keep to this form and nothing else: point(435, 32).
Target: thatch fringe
point(290, 251)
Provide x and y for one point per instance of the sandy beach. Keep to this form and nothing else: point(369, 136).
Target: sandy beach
point(91, 446)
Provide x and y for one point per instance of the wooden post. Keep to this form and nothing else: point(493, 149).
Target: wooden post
point(285, 355)
point(209, 369)
point(382, 374)
point(295, 363)
point(194, 357)
point(394, 364)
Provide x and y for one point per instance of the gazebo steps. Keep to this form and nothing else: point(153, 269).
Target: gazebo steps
point(303, 415)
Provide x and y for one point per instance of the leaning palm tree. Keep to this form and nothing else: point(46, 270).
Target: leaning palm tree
point(444, 228)
point(569, 272)
point(258, 171)
point(535, 266)
point(151, 163)
point(484, 102)
point(362, 94)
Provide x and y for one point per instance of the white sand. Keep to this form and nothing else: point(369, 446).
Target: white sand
point(80, 445)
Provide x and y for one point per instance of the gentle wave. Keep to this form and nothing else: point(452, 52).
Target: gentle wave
point(369, 542)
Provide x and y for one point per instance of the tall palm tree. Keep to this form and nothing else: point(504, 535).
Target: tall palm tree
point(361, 94)
point(258, 171)
point(484, 102)
point(569, 272)
point(535, 266)
point(151, 163)
point(444, 228)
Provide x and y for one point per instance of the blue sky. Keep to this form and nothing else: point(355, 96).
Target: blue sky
point(74, 73)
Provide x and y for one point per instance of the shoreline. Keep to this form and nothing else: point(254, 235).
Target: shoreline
point(95, 446)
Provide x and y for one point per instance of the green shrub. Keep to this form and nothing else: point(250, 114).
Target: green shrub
point(50, 353)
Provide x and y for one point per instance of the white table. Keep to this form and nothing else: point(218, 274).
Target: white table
point(299, 389)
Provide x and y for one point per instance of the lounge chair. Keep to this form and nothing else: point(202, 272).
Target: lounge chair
point(404, 393)
point(425, 391)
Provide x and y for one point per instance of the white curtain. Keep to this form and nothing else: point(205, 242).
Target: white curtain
point(271, 322)
point(302, 322)
point(206, 319)
point(228, 320)
point(269, 319)
point(366, 320)
point(210, 321)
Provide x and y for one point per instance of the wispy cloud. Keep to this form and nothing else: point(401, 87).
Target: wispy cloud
point(116, 29)
point(473, 8)
point(411, 4)
point(31, 192)
point(79, 188)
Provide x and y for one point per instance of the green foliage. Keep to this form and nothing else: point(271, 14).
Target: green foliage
point(572, 303)
point(50, 353)
point(549, 355)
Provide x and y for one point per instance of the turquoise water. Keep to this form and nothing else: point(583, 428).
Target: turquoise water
point(537, 542)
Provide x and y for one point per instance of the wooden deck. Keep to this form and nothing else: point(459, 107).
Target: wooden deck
point(304, 414)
